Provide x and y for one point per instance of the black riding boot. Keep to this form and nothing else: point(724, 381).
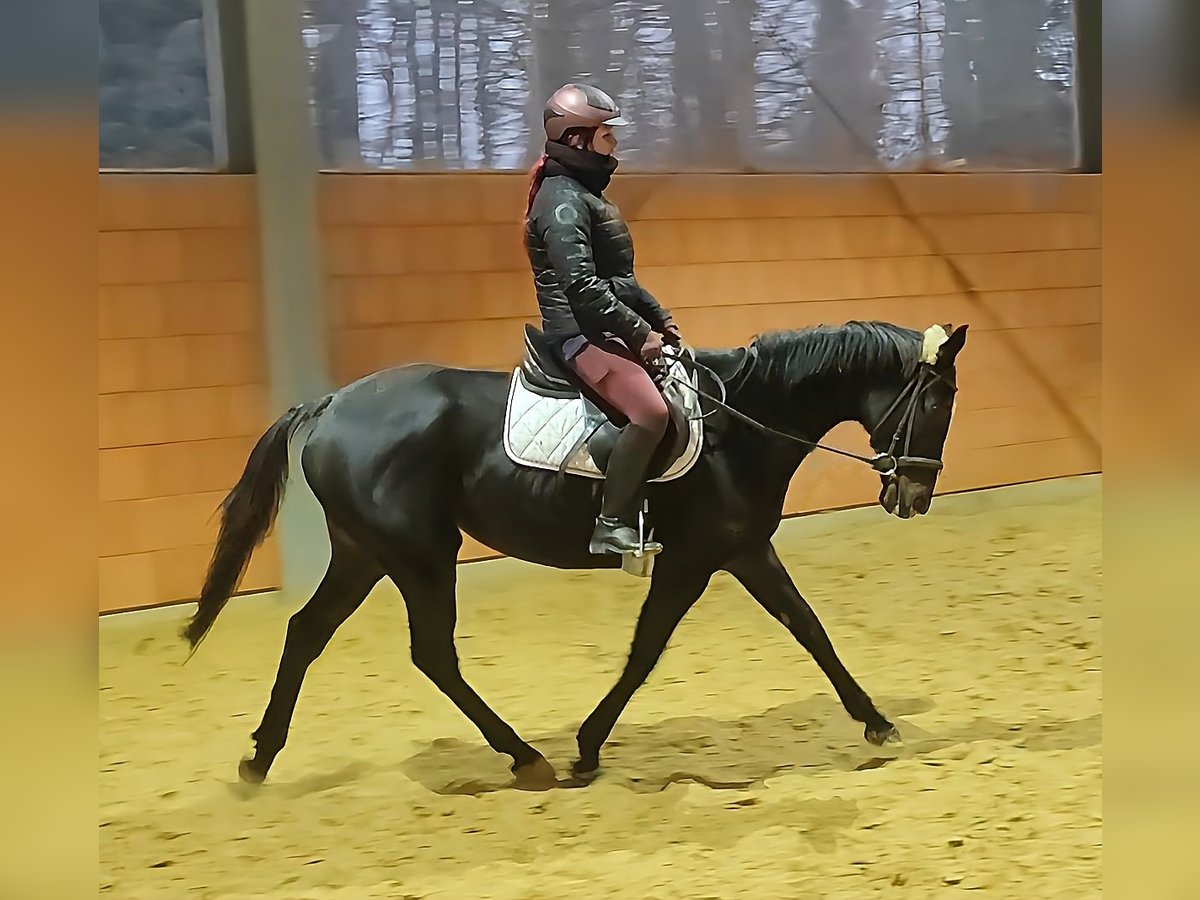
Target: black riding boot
point(616, 528)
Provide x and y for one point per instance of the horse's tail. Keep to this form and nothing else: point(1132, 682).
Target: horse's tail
point(247, 513)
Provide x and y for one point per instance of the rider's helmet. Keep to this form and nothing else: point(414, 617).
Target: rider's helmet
point(579, 106)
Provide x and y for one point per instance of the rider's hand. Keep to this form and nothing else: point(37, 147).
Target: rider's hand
point(652, 347)
point(672, 335)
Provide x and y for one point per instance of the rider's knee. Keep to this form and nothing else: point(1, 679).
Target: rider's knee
point(655, 417)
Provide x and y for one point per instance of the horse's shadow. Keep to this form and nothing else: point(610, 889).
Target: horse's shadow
point(812, 734)
point(638, 805)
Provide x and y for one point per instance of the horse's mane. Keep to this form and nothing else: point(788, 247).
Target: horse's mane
point(864, 348)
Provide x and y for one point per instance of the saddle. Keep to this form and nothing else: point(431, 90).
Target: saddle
point(553, 421)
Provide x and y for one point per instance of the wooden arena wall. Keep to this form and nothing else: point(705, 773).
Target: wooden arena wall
point(183, 392)
point(431, 268)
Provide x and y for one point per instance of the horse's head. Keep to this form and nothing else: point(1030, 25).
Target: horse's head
point(912, 421)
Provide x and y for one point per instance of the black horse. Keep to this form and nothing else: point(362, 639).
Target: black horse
point(404, 458)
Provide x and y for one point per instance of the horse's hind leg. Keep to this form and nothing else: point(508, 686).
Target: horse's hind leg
point(427, 584)
point(348, 580)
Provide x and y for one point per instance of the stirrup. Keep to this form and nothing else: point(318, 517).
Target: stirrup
point(640, 563)
point(614, 536)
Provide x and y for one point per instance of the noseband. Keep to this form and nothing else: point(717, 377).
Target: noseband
point(886, 464)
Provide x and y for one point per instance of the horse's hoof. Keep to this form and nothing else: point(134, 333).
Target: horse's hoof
point(249, 774)
point(537, 775)
point(585, 773)
point(888, 734)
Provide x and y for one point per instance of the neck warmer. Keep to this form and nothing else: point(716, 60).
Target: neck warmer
point(592, 170)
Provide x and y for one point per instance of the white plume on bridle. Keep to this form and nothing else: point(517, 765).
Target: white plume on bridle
point(935, 336)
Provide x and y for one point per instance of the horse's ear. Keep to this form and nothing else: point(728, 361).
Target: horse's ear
point(953, 344)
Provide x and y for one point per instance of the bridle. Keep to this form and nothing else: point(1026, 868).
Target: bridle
point(923, 378)
point(887, 464)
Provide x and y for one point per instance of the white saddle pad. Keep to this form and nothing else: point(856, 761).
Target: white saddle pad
point(549, 432)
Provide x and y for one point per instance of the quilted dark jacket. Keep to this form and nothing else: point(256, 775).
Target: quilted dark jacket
point(582, 257)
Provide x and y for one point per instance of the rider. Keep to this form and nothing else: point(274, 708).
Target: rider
point(605, 325)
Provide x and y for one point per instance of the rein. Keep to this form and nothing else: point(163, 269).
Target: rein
point(886, 464)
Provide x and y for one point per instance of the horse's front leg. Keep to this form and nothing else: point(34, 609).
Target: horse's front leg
point(675, 587)
point(764, 576)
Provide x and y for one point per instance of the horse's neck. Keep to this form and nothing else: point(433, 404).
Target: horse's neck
point(807, 411)
point(806, 401)
point(823, 407)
